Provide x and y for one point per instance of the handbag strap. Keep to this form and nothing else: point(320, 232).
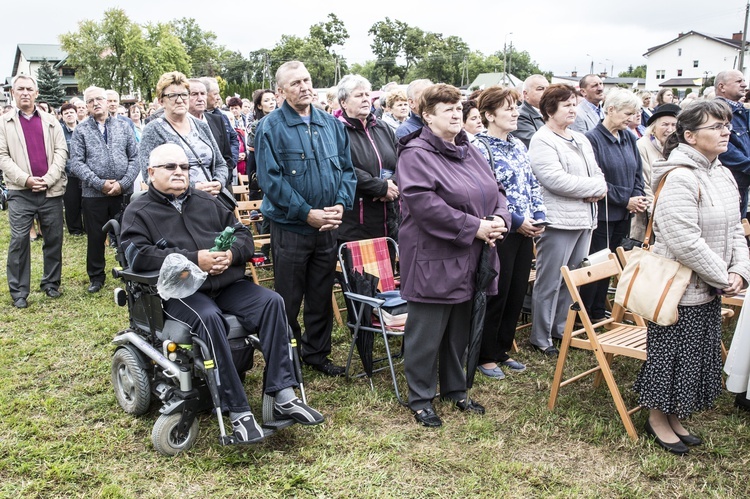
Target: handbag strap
point(198, 158)
point(650, 226)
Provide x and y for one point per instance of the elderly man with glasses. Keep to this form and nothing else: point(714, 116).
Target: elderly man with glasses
point(103, 155)
point(173, 217)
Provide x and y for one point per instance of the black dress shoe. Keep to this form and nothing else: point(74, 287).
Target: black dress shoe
point(741, 401)
point(550, 351)
point(95, 287)
point(20, 303)
point(428, 418)
point(328, 368)
point(678, 448)
point(689, 439)
point(467, 405)
point(52, 293)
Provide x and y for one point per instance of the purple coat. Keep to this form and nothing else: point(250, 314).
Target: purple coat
point(446, 190)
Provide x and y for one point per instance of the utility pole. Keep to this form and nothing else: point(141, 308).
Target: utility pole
point(744, 41)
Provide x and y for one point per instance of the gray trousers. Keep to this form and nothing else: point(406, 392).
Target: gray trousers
point(550, 299)
point(435, 334)
point(22, 207)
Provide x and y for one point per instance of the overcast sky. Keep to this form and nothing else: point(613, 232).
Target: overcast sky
point(559, 38)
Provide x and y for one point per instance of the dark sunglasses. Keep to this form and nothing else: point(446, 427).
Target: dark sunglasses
point(173, 166)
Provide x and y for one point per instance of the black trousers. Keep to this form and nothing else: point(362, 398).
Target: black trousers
point(260, 311)
point(96, 213)
point(503, 309)
point(594, 295)
point(303, 266)
point(72, 200)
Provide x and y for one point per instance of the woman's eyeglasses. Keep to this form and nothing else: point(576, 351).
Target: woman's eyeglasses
point(173, 97)
point(716, 127)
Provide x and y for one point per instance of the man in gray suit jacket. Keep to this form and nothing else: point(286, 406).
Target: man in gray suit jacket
point(590, 111)
point(529, 120)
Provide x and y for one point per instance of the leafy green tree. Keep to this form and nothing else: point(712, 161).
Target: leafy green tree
point(370, 71)
point(51, 90)
point(637, 72)
point(520, 64)
point(388, 44)
point(119, 54)
point(200, 46)
point(105, 53)
point(330, 34)
point(442, 60)
point(259, 67)
point(234, 67)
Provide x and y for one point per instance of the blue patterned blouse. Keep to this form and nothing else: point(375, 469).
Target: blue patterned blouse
point(513, 171)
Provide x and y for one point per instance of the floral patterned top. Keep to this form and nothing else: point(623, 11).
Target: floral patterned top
point(513, 171)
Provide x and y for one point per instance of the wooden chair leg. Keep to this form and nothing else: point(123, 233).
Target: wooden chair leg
point(622, 410)
point(564, 347)
point(336, 312)
point(599, 376)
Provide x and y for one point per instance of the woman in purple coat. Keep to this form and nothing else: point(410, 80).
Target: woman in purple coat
point(451, 207)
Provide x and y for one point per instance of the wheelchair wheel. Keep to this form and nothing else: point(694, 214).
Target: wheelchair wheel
point(164, 435)
point(130, 381)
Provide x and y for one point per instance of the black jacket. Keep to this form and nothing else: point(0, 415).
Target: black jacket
point(216, 124)
point(152, 228)
point(373, 149)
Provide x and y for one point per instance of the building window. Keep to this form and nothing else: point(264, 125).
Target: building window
point(679, 52)
point(660, 73)
point(695, 64)
point(68, 71)
point(679, 72)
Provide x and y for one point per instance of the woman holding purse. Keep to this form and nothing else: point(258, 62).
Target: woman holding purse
point(697, 223)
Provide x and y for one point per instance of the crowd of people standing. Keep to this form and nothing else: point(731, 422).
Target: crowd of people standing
point(551, 172)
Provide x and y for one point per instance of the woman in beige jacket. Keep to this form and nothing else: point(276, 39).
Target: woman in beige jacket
point(697, 223)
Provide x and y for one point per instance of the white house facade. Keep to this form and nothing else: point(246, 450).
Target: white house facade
point(687, 60)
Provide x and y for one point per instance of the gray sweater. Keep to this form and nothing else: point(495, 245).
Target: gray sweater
point(95, 161)
point(155, 134)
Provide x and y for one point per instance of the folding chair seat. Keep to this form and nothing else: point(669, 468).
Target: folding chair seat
point(375, 257)
point(606, 339)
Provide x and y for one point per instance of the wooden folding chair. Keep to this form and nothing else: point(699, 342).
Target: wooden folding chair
point(605, 339)
point(248, 213)
point(375, 257)
point(241, 192)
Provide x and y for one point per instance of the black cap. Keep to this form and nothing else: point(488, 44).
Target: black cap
point(664, 110)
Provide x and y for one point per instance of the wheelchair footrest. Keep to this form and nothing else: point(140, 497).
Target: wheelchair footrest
point(277, 424)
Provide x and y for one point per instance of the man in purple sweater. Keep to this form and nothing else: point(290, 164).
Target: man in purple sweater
point(32, 157)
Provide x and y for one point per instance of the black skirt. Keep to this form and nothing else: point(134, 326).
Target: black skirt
point(682, 372)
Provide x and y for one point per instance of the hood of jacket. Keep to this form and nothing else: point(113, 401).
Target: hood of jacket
point(425, 139)
point(682, 156)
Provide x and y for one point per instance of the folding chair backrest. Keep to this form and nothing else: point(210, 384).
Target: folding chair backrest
point(587, 275)
point(746, 227)
point(372, 256)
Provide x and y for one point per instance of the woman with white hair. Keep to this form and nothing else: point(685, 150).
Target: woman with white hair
point(373, 149)
point(616, 153)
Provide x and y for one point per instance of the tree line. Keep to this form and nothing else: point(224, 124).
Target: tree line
point(129, 57)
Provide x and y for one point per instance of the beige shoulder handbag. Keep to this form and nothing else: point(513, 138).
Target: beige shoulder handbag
point(650, 285)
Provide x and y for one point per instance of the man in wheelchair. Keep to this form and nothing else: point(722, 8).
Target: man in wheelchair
point(173, 217)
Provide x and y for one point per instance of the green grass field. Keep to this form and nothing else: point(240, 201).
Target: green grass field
point(63, 435)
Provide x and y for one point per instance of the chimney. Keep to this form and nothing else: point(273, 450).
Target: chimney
point(574, 74)
point(737, 36)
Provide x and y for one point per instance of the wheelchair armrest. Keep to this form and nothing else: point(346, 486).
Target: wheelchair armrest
point(369, 300)
point(149, 278)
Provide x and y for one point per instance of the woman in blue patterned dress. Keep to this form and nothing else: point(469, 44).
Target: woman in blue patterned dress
point(499, 112)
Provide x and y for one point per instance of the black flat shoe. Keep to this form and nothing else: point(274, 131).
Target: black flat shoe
point(550, 351)
point(467, 405)
point(428, 418)
point(741, 401)
point(689, 439)
point(678, 448)
point(328, 368)
point(95, 287)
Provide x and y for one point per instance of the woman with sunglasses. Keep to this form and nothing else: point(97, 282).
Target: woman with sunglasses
point(697, 223)
point(208, 170)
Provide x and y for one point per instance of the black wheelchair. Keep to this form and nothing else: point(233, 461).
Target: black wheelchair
point(160, 359)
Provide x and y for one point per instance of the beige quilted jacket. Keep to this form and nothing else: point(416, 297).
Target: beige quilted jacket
point(697, 222)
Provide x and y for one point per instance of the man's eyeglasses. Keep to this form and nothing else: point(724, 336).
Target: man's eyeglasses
point(97, 99)
point(717, 127)
point(173, 97)
point(173, 166)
